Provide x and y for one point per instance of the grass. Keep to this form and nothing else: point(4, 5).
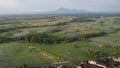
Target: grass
point(112, 39)
point(71, 52)
point(119, 66)
point(17, 53)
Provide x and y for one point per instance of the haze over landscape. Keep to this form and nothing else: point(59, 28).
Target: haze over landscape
point(36, 6)
point(59, 33)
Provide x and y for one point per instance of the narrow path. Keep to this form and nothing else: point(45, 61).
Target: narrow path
point(51, 57)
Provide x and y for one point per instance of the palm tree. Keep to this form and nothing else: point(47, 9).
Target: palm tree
point(91, 53)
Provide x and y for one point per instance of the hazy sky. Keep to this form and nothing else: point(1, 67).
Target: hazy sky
point(25, 6)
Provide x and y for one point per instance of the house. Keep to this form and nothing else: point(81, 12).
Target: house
point(116, 58)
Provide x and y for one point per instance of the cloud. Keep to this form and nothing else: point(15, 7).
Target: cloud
point(7, 3)
point(98, 5)
point(22, 6)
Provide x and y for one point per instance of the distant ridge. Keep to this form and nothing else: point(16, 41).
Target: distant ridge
point(68, 11)
point(65, 10)
point(62, 10)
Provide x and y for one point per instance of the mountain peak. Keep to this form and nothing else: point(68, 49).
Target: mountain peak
point(62, 9)
point(66, 10)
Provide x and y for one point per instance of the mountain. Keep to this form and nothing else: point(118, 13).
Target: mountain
point(73, 11)
point(68, 11)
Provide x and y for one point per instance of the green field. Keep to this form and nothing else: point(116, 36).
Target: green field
point(17, 53)
point(72, 51)
point(112, 39)
point(50, 39)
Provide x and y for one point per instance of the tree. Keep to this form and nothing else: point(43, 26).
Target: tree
point(101, 56)
point(102, 22)
point(91, 53)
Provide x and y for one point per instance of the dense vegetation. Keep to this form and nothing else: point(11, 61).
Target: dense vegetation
point(47, 38)
point(83, 19)
point(36, 39)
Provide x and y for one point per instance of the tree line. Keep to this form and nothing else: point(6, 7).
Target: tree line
point(48, 38)
point(82, 19)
